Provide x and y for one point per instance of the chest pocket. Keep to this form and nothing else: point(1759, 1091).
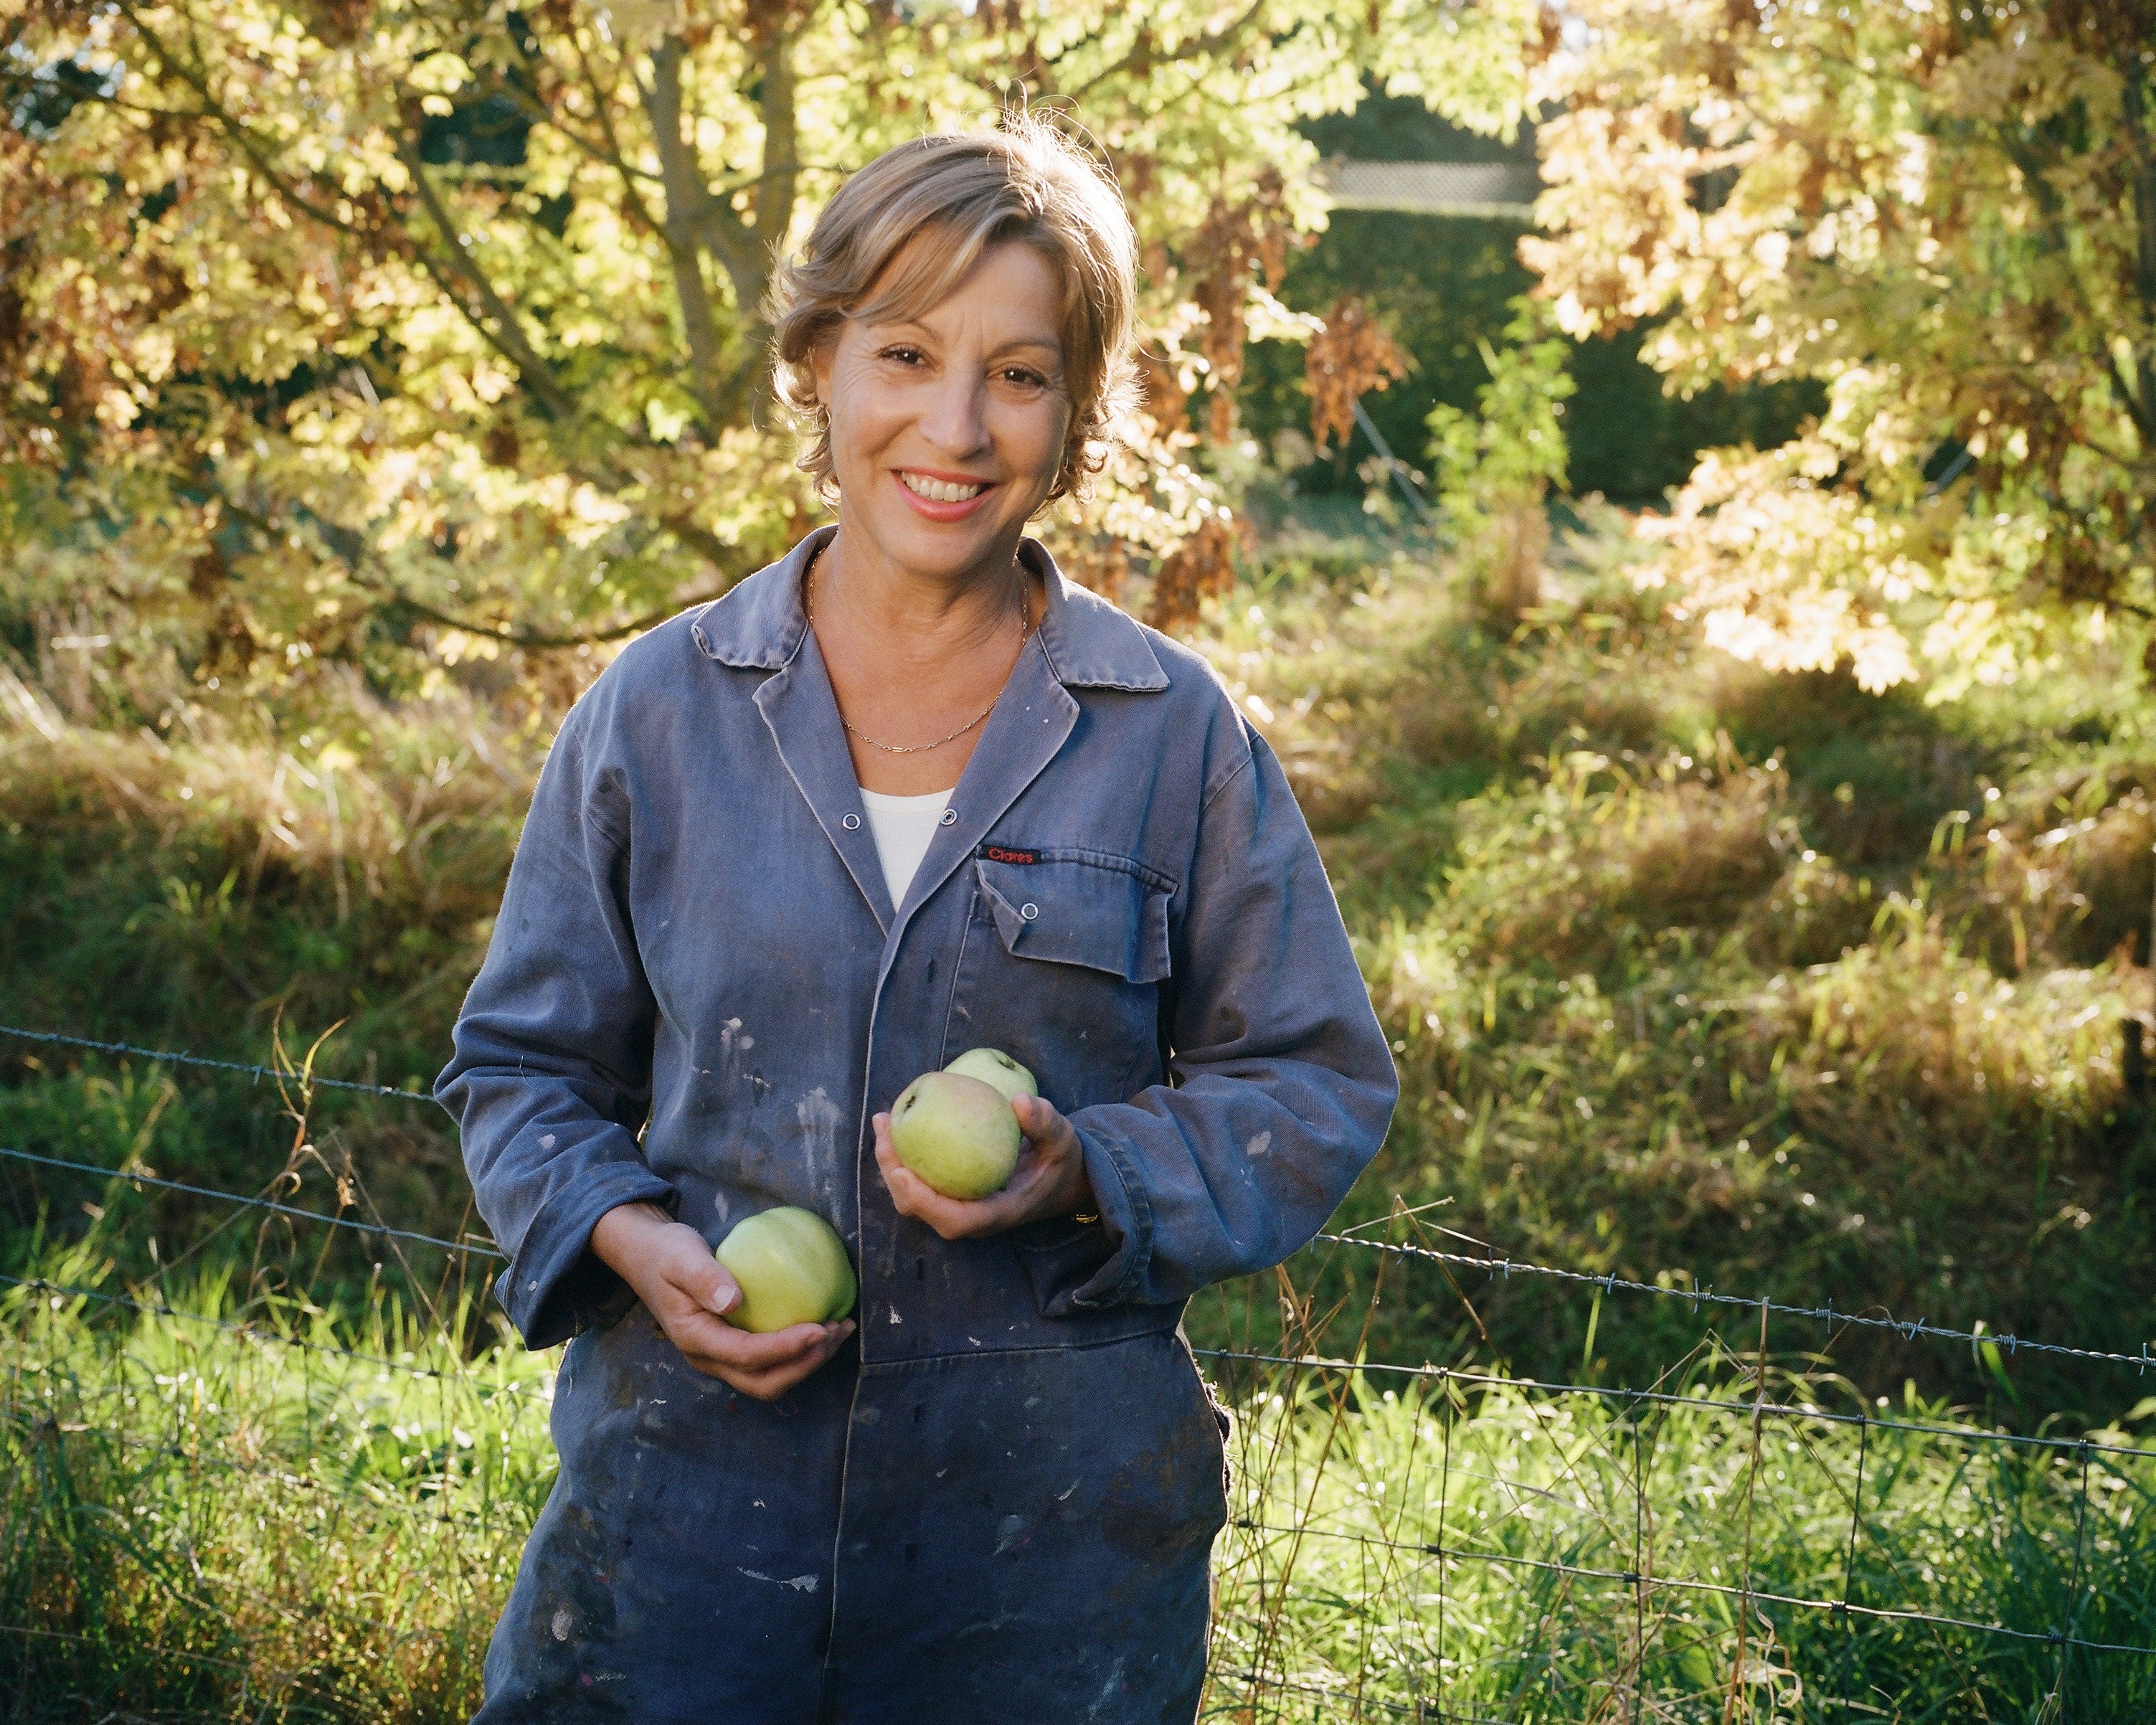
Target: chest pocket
point(1101, 912)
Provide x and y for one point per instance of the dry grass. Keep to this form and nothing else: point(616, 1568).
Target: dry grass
point(1735, 981)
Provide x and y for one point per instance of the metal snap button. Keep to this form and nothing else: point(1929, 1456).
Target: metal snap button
point(1029, 911)
point(950, 816)
point(851, 822)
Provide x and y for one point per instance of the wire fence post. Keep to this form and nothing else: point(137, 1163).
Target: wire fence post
point(1737, 1710)
point(1849, 1570)
point(1639, 1565)
point(1444, 1498)
point(2072, 1615)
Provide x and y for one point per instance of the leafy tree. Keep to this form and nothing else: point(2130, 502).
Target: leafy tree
point(1942, 211)
point(397, 334)
point(1495, 467)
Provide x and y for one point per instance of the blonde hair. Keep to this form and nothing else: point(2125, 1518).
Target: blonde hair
point(1025, 182)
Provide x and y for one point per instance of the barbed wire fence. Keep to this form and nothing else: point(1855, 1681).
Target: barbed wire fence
point(1738, 1539)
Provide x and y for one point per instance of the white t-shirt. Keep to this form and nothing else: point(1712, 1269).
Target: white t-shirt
point(902, 827)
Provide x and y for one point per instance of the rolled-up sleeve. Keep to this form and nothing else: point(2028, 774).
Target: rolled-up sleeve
point(550, 1079)
point(1283, 1086)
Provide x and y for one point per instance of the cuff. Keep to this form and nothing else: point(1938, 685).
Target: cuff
point(1126, 1212)
point(558, 1286)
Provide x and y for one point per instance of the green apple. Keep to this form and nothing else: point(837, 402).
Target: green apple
point(957, 1133)
point(991, 1065)
point(793, 1270)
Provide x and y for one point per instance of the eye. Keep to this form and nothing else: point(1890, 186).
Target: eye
point(1024, 377)
point(902, 354)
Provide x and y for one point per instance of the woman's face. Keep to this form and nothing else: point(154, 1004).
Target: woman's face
point(948, 429)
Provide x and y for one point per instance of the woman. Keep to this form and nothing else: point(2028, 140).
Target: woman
point(905, 793)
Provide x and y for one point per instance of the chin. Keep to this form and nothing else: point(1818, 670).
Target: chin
point(937, 550)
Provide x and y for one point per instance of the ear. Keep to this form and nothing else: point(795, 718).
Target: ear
point(820, 357)
point(1071, 472)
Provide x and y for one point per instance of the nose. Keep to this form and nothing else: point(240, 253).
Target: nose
point(953, 418)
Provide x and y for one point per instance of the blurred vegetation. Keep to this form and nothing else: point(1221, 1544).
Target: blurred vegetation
point(423, 338)
point(193, 1525)
point(1718, 978)
point(1761, 983)
point(1443, 287)
point(1942, 218)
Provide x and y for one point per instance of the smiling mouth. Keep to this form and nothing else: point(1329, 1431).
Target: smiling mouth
point(936, 490)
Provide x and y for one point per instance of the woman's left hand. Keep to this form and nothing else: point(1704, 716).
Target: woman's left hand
point(1049, 1181)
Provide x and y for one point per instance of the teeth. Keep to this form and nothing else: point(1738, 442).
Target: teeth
point(939, 490)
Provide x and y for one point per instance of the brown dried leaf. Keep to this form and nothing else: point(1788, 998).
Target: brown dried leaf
point(1201, 567)
point(1351, 355)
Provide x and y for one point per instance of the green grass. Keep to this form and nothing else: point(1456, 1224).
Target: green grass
point(198, 1526)
point(1705, 977)
point(1695, 976)
point(1335, 1600)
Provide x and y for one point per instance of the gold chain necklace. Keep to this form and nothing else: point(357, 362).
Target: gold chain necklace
point(1024, 631)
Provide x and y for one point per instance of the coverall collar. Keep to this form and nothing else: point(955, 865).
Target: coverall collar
point(1088, 643)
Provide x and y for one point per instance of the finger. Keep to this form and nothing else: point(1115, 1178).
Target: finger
point(992, 1215)
point(703, 1337)
point(711, 1284)
point(761, 1379)
point(886, 1157)
point(816, 1343)
point(910, 1194)
point(956, 1218)
point(770, 1382)
point(967, 1218)
point(834, 1338)
point(683, 1261)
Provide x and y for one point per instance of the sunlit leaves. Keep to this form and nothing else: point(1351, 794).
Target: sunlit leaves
point(347, 325)
point(1936, 213)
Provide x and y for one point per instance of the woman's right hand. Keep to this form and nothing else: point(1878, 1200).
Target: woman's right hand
point(689, 1291)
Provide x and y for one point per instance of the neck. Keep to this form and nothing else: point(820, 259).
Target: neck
point(912, 613)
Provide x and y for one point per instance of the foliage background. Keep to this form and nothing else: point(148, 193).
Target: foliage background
point(1756, 891)
point(371, 369)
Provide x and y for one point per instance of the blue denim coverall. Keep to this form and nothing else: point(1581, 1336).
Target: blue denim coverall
point(997, 1502)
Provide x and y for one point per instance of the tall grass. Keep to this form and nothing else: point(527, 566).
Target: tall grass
point(198, 1525)
point(1460, 1551)
point(1759, 983)
point(1725, 980)
point(1695, 976)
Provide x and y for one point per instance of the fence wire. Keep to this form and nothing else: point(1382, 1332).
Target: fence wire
point(1406, 1636)
point(1486, 1259)
point(305, 1079)
point(1910, 1329)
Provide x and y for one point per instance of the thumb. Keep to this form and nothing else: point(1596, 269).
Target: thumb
point(705, 1280)
point(1037, 1117)
point(723, 1293)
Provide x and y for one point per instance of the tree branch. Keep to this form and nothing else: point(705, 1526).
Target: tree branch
point(685, 193)
point(507, 333)
point(774, 195)
point(1142, 58)
point(535, 639)
point(2131, 109)
point(602, 109)
point(351, 549)
point(700, 217)
point(214, 111)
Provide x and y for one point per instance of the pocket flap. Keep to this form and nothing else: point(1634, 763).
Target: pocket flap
point(1072, 911)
